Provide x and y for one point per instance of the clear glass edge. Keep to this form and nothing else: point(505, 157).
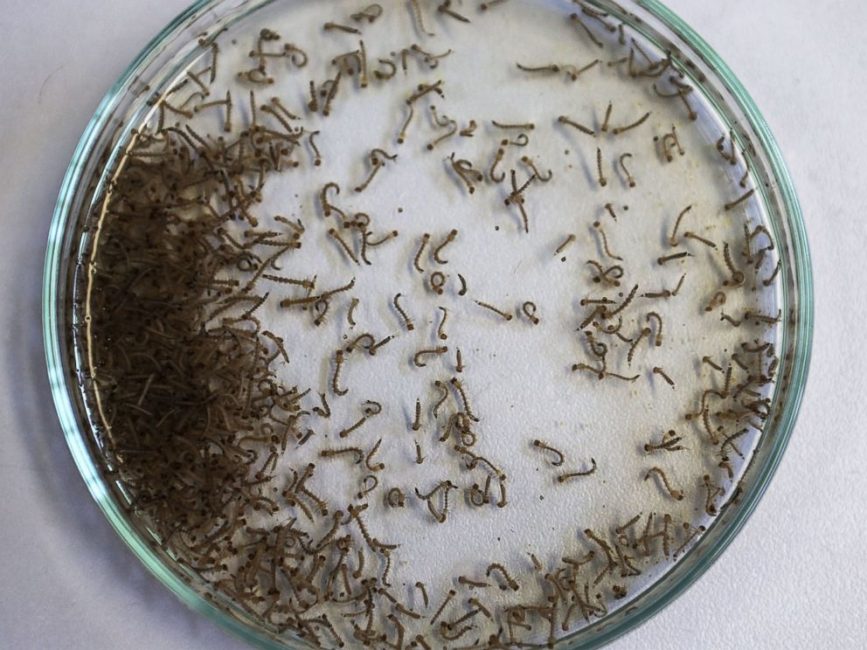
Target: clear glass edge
point(800, 362)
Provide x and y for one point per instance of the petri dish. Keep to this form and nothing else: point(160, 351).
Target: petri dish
point(510, 300)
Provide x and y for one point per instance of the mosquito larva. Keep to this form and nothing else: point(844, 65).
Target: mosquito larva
point(730, 157)
point(762, 318)
point(406, 319)
point(335, 378)
point(419, 459)
point(733, 321)
point(453, 126)
point(644, 332)
point(463, 290)
point(737, 276)
point(416, 423)
point(350, 312)
point(718, 299)
point(395, 498)
point(466, 402)
point(491, 171)
point(569, 239)
point(443, 396)
point(472, 584)
point(355, 451)
point(565, 120)
point(441, 328)
point(529, 310)
point(417, 358)
point(490, 3)
point(637, 123)
point(575, 18)
point(605, 248)
point(712, 492)
point(510, 583)
point(309, 434)
point(710, 362)
point(653, 316)
point(332, 93)
point(670, 258)
point(313, 104)
point(325, 410)
point(505, 316)
point(379, 466)
point(599, 16)
point(670, 142)
point(424, 89)
point(178, 111)
point(559, 458)
point(420, 586)
point(370, 14)
point(670, 442)
point(401, 136)
point(604, 127)
point(516, 197)
point(529, 163)
point(424, 240)
point(445, 8)
point(739, 200)
point(437, 282)
point(600, 176)
point(325, 204)
point(690, 537)
point(562, 478)
point(278, 342)
point(449, 635)
point(469, 130)
point(375, 165)
point(368, 484)
point(357, 342)
point(329, 26)
point(706, 242)
point(385, 238)
point(265, 108)
point(551, 68)
point(391, 70)
point(418, 17)
point(502, 502)
point(674, 493)
point(464, 170)
point(525, 126)
point(320, 309)
point(729, 442)
point(770, 280)
point(672, 240)
point(679, 284)
point(343, 245)
point(436, 251)
point(536, 564)
point(345, 432)
point(446, 486)
point(219, 102)
point(629, 178)
point(659, 371)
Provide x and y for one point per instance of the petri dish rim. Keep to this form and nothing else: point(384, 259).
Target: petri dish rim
point(655, 598)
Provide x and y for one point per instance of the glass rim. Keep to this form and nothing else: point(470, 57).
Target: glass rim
point(657, 596)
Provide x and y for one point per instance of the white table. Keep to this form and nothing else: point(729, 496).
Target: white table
point(794, 578)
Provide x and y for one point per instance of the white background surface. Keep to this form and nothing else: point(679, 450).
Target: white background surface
point(794, 578)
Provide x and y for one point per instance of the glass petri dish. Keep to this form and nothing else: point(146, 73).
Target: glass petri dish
point(552, 89)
